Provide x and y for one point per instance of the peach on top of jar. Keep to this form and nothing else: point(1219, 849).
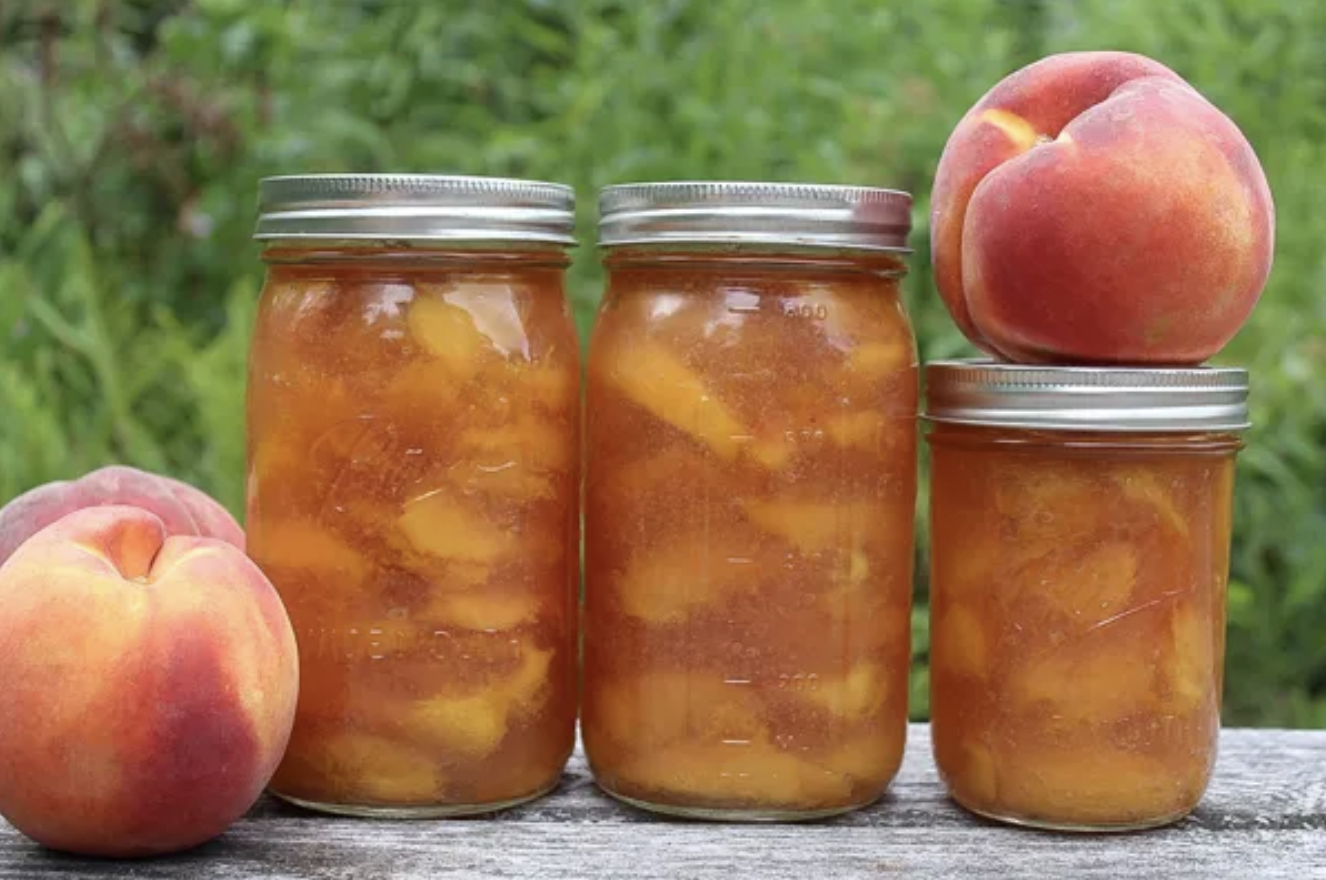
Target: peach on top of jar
point(1080, 532)
point(413, 417)
point(750, 492)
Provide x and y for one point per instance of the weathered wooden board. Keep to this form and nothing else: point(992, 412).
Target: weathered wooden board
point(1265, 816)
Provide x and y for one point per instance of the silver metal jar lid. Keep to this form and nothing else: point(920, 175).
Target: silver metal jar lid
point(1104, 399)
point(414, 207)
point(787, 214)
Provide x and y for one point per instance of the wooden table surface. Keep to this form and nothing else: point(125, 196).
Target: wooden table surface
point(1264, 816)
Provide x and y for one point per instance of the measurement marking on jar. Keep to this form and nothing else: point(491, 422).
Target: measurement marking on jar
point(807, 311)
point(791, 435)
point(804, 435)
point(376, 644)
point(799, 681)
point(380, 643)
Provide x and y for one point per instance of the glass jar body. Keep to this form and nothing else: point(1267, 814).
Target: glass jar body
point(1078, 622)
point(749, 506)
point(413, 496)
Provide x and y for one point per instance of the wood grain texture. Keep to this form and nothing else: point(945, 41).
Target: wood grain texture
point(1265, 816)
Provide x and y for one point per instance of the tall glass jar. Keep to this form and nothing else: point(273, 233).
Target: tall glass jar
point(749, 499)
point(1080, 531)
point(413, 485)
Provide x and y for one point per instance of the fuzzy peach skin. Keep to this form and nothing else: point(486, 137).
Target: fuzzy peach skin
point(148, 685)
point(183, 509)
point(1093, 208)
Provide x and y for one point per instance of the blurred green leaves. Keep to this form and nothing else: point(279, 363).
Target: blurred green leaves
point(133, 132)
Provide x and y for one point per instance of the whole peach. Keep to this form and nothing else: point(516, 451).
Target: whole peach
point(148, 685)
point(183, 509)
point(1094, 208)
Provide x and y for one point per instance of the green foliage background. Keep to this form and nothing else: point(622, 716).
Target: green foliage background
point(132, 134)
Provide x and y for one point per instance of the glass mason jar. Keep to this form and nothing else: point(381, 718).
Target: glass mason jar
point(413, 486)
point(749, 499)
point(1080, 531)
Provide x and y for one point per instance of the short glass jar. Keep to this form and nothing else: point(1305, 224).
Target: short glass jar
point(1080, 535)
point(413, 484)
point(749, 499)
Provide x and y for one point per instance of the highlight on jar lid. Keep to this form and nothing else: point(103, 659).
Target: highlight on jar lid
point(735, 213)
point(415, 207)
point(1103, 399)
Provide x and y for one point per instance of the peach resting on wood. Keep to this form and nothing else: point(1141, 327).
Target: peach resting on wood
point(1093, 208)
point(148, 685)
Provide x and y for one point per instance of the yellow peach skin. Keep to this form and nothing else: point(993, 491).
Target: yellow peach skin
point(148, 685)
point(1094, 208)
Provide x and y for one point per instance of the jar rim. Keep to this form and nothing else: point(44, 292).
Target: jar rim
point(1100, 399)
point(414, 207)
point(805, 215)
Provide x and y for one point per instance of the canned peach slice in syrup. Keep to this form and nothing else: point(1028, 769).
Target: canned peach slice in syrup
point(749, 499)
point(1080, 534)
point(413, 486)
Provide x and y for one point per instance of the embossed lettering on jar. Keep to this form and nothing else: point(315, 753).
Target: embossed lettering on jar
point(750, 490)
point(1080, 531)
point(413, 486)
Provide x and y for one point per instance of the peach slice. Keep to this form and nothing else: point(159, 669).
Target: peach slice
point(306, 546)
point(435, 525)
point(700, 569)
point(1143, 487)
point(1106, 675)
point(526, 442)
point(1096, 785)
point(1095, 588)
point(978, 779)
point(483, 610)
point(754, 774)
point(873, 757)
point(658, 708)
point(448, 333)
point(1189, 666)
point(657, 380)
point(859, 694)
point(881, 361)
point(864, 431)
point(812, 526)
point(360, 768)
point(959, 644)
point(475, 725)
